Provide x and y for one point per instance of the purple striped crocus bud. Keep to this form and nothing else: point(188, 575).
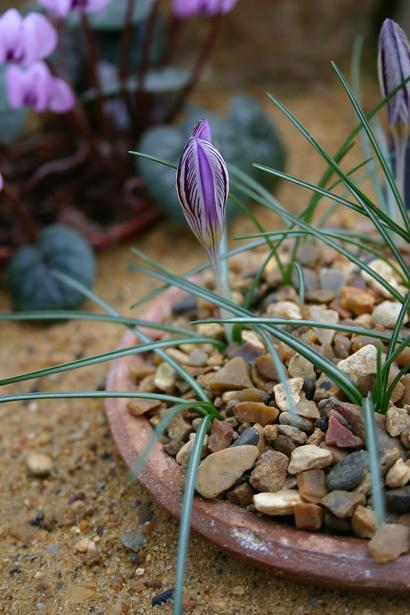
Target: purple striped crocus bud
point(394, 67)
point(202, 185)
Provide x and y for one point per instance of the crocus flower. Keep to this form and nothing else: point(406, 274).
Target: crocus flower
point(394, 67)
point(202, 186)
point(188, 8)
point(60, 8)
point(25, 40)
point(37, 88)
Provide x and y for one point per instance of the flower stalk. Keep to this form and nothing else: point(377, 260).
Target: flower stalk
point(202, 185)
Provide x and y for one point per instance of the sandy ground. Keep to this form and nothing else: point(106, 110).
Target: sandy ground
point(88, 494)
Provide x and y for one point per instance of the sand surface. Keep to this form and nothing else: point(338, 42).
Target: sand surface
point(88, 494)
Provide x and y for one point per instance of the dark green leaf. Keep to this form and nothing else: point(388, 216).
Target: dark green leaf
point(30, 273)
point(113, 16)
point(11, 120)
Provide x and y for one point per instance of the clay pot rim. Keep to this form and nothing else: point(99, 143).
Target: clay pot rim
point(325, 560)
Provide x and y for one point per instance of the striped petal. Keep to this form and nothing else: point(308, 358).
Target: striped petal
point(394, 67)
point(202, 186)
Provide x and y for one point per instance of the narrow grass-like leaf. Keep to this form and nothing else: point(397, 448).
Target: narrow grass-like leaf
point(362, 199)
point(399, 323)
point(165, 163)
point(334, 234)
point(139, 464)
point(186, 514)
point(160, 273)
point(139, 333)
point(387, 221)
point(372, 448)
point(256, 320)
point(383, 162)
point(87, 395)
point(78, 315)
point(106, 356)
point(301, 280)
point(387, 396)
point(271, 203)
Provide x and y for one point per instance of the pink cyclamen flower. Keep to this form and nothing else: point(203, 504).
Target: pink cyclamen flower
point(60, 8)
point(1, 182)
point(188, 8)
point(37, 88)
point(25, 40)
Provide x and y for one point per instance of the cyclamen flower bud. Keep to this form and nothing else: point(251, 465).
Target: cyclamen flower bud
point(37, 88)
point(202, 185)
point(188, 8)
point(394, 67)
point(25, 40)
point(61, 8)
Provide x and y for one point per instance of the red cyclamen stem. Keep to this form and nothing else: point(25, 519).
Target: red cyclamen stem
point(197, 69)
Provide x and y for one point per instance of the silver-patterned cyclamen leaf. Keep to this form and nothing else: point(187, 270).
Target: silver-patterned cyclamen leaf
point(202, 186)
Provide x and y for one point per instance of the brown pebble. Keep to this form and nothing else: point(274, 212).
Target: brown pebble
point(241, 495)
point(266, 367)
point(284, 445)
point(342, 503)
point(270, 433)
point(270, 472)
point(389, 542)
point(356, 300)
point(138, 407)
point(405, 438)
point(308, 516)
point(363, 522)
point(232, 376)
point(316, 437)
point(312, 485)
point(221, 436)
point(255, 412)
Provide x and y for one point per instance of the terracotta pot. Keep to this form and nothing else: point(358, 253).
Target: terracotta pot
point(309, 557)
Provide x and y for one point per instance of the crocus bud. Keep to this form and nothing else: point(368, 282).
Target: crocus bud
point(394, 67)
point(202, 186)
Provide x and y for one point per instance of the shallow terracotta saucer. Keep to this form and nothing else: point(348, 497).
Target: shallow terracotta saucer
point(309, 557)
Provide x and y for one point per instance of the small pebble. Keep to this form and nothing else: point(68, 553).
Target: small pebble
point(308, 516)
point(363, 522)
point(39, 465)
point(134, 540)
point(294, 387)
point(312, 485)
point(163, 597)
point(348, 474)
point(342, 503)
point(270, 472)
point(219, 471)
point(276, 504)
point(309, 457)
point(249, 436)
point(389, 542)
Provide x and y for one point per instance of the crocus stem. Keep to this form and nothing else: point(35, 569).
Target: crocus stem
point(400, 146)
point(197, 69)
point(124, 56)
point(145, 56)
point(92, 54)
point(222, 287)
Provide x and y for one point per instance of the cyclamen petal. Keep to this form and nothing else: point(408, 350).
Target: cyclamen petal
point(40, 38)
point(11, 43)
point(188, 8)
point(25, 40)
point(394, 67)
point(61, 8)
point(202, 187)
point(35, 87)
point(1, 182)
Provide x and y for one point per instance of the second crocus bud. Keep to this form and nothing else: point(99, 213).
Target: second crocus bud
point(394, 68)
point(202, 186)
